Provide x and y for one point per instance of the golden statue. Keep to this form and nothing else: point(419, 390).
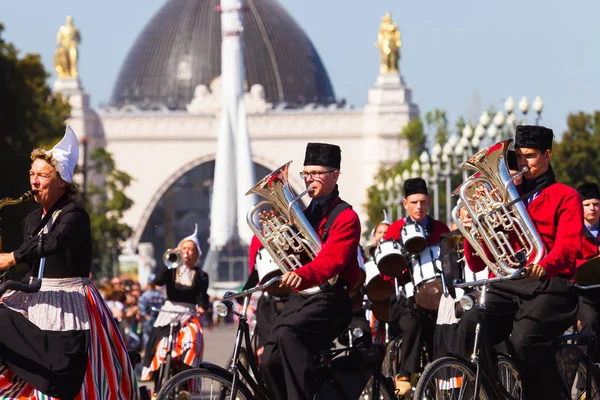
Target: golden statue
point(65, 56)
point(388, 42)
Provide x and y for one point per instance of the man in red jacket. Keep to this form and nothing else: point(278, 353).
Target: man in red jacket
point(416, 324)
point(589, 300)
point(309, 323)
point(532, 312)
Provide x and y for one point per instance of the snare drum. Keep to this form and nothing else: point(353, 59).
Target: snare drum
point(267, 269)
point(428, 288)
point(377, 288)
point(413, 238)
point(390, 258)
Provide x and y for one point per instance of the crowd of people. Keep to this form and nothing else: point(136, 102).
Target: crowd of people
point(71, 338)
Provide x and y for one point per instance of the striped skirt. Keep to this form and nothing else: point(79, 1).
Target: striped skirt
point(188, 348)
point(74, 304)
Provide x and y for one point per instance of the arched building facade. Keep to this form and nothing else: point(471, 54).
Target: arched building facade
point(162, 124)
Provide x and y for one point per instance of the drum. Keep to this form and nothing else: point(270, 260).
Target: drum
point(390, 258)
point(382, 310)
point(413, 238)
point(267, 269)
point(378, 289)
point(427, 280)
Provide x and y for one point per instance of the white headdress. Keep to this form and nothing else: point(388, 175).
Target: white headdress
point(66, 154)
point(386, 219)
point(194, 238)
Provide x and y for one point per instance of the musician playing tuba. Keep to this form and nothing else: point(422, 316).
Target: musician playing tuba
point(308, 324)
point(532, 312)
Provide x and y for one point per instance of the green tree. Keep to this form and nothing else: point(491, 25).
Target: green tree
point(106, 204)
point(30, 117)
point(414, 133)
point(576, 159)
point(438, 122)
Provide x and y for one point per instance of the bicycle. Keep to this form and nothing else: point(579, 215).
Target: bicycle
point(338, 372)
point(167, 369)
point(455, 378)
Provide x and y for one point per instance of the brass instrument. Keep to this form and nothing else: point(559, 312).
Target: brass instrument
point(173, 258)
point(7, 201)
point(286, 233)
point(488, 196)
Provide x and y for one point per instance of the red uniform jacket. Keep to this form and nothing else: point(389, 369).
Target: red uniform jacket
point(394, 232)
point(338, 256)
point(255, 246)
point(557, 213)
point(589, 247)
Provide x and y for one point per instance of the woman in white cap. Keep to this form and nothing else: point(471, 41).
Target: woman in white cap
point(187, 287)
point(62, 341)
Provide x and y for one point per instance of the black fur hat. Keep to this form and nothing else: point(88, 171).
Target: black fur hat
point(415, 186)
point(589, 191)
point(511, 160)
point(327, 155)
point(534, 137)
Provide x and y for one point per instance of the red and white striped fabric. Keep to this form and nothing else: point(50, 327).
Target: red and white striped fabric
point(189, 348)
point(109, 374)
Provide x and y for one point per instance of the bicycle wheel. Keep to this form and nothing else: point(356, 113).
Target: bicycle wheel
point(392, 355)
point(577, 389)
point(207, 383)
point(377, 384)
point(509, 377)
point(448, 378)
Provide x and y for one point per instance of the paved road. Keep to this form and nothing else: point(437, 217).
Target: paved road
point(218, 344)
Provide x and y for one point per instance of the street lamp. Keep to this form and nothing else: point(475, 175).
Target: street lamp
point(524, 106)
point(538, 106)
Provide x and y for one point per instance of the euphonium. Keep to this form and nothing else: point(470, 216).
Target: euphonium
point(286, 233)
point(490, 199)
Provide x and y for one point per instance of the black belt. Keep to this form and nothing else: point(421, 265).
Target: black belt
point(340, 285)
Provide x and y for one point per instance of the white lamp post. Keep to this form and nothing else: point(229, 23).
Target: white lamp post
point(538, 106)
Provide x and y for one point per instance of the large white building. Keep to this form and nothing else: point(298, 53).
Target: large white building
point(163, 119)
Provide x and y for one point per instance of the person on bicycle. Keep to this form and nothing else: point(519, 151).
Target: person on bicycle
point(61, 341)
point(308, 323)
point(588, 314)
point(532, 312)
point(416, 324)
point(187, 287)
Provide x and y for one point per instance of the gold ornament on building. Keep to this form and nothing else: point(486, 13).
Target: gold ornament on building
point(65, 56)
point(388, 42)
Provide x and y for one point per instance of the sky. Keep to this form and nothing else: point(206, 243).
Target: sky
point(461, 56)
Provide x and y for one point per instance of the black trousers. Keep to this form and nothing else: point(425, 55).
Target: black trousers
point(530, 314)
point(267, 310)
point(589, 315)
point(305, 326)
point(417, 327)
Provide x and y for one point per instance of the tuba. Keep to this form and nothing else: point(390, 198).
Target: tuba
point(490, 198)
point(285, 233)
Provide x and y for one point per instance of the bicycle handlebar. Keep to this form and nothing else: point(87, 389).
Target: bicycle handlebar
point(518, 274)
point(247, 292)
point(587, 287)
point(174, 311)
point(33, 286)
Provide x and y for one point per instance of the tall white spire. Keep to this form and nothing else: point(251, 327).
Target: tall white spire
point(234, 170)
